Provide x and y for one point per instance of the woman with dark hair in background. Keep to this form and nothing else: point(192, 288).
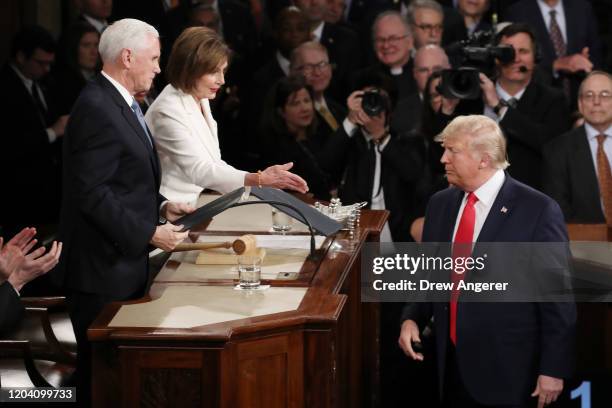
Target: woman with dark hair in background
point(288, 130)
point(77, 62)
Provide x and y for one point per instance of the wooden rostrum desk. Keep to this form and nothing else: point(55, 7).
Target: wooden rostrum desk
point(323, 354)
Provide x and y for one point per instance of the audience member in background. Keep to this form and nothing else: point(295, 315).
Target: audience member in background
point(566, 32)
point(577, 164)
point(287, 129)
point(383, 167)
point(426, 19)
point(149, 11)
point(335, 12)
point(226, 107)
point(32, 131)
point(236, 24)
point(291, 28)
point(427, 60)
point(529, 113)
point(473, 13)
point(18, 266)
point(185, 131)
point(430, 128)
point(77, 62)
point(342, 44)
point(393, 44)
point(311, 60)
point(95, 12)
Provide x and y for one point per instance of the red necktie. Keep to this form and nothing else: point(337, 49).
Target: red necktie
point(462, 247)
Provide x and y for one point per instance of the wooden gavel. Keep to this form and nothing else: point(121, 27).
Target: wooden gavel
point(244, 244)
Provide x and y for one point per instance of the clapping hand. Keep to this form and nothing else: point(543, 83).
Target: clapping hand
point(19, 265)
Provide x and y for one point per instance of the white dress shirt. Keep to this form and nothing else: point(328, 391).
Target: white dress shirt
point(560, 16)
point(502, 94)
point(377, 197)
point(486, 194)
point(317, 33)
point(283, 63)
point(99, 25)
point(127, 96)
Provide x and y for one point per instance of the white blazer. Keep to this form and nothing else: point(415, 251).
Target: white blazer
point(188, 147)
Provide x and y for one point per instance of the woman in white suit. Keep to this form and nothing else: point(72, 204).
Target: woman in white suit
point(185, 132)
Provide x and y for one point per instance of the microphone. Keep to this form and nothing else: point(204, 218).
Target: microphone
point(305, 220)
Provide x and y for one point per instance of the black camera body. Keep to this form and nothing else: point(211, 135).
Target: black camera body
point(478, 54)
point(373, 102)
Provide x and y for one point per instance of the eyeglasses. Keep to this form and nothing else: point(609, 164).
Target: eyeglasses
point(430, 28)
point(428, 70)
point(591, 97)
point(392, 40)
point(308, 69)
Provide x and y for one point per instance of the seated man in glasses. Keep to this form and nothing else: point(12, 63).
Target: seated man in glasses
point(577, 164)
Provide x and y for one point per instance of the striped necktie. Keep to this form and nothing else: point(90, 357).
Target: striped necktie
point(604, 177)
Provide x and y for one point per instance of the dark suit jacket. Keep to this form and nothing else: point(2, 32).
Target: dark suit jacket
point(581, 29)
point(402, 167)
point(501, 347)
point(338, 112)
point(570, 177)
point(403, 85)
point(11, 307)
point(282, 147)
point(30, 163)
point(344, 51)
point(407, 113)
point(541, 115)
point(110, 208)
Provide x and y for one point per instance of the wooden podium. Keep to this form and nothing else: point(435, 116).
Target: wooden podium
point(322, 354)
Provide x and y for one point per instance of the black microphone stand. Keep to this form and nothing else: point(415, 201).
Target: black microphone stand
point(312, 254)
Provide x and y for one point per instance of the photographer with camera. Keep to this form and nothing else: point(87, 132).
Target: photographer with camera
point(529, 113)
point(380, 166)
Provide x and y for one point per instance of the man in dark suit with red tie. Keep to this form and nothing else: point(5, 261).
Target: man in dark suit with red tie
point(111, 206)
point(491, 354)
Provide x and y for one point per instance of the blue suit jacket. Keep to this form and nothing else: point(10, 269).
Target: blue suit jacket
point(111, 199)
point(502, 347)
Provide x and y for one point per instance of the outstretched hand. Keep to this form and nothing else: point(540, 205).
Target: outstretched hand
point(279, 176)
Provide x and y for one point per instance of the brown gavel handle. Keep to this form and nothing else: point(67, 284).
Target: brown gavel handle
point(195, 246)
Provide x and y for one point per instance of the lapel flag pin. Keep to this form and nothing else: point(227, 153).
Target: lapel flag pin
point(504, 210)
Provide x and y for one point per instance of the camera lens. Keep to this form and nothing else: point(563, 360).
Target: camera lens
point(372, 103)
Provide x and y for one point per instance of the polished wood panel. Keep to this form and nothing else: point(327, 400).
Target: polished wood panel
point(324, 354)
